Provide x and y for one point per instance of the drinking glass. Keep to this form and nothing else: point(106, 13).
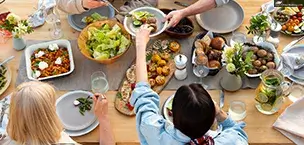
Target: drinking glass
point(201, 70)
point(296, 92)
point(52, 17)
point(237, 37)
point(237, 110)
point(99, 82)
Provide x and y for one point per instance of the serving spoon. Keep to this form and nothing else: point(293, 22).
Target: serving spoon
point(6, 60)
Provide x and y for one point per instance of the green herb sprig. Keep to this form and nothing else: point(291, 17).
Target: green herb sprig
point(85, 104)
point(258, 25)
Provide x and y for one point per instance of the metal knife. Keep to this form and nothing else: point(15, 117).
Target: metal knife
point(222, 97)
point(181, 4)
point(292, 43)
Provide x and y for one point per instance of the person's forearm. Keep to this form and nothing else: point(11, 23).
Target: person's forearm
point(199, 7)
point(141, 64)
point(105, 132)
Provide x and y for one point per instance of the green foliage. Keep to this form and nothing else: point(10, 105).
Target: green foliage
point(258, 24)
point(18, 28)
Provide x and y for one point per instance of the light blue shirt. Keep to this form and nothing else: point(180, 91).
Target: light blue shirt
point(153, 129)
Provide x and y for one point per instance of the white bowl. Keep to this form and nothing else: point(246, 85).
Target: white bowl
point(30, 50)
point(268, 47)
point(159, 15)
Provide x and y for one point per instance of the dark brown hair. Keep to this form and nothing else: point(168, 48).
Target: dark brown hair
point(193, 110)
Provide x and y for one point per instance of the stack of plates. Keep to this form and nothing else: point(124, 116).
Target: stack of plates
point(74, 123)
point(298, 75)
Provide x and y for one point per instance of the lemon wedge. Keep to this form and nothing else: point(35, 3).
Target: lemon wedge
point(288, 11)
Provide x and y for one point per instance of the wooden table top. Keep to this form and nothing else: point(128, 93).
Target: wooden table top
point(259, 126)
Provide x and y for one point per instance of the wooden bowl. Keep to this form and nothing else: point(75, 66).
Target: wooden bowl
point(83, 37)
point(184, 22)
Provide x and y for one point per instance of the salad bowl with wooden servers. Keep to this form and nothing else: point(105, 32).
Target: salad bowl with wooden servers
point(104, 41)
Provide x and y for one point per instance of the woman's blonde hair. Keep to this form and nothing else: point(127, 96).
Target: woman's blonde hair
point(32, 116)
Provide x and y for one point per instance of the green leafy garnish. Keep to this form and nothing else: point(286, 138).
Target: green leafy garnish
point(85, 104)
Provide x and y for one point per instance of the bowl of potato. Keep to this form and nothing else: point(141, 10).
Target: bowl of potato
point(264, 57)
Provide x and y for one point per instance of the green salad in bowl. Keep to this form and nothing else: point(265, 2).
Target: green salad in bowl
point(106, 42)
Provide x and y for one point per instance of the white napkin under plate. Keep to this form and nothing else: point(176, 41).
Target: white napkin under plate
point(294, 60)
point(5, 101)
point(291, 122)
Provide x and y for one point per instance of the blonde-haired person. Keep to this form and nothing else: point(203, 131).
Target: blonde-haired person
point(32, 117)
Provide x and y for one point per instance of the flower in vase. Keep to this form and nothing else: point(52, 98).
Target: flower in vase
point(13, 18)
point(230, 67)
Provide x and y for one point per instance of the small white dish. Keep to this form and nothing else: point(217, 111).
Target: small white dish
point(30, 50)
point(159, 15)
point(69, 114)
point(211, 133)
point(268, 47)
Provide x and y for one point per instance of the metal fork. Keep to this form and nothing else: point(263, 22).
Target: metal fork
point(292, 43)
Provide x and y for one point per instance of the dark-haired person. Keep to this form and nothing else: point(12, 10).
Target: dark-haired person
point(193, 111)
point(196, 8)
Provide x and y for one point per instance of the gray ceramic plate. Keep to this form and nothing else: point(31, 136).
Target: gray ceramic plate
point(75, 20)
point(159, 15)
point(84, 131)
point(299, 74)
point(224, 19)
point(69, 115)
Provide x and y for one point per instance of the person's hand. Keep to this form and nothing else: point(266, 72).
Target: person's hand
point(142, 35)
point(100, 106)
point(91, 4)
point(220, 115)
point(174, 17)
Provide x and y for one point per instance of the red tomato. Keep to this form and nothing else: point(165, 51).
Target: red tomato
point(297, 21)
point(133, 86)
point(299, 14)
point(294, 17)
point(300, 8)
point(300, 19)
point(130, 107)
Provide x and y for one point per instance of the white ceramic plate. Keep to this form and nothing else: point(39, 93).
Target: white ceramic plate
point(159, 15)
point(84, 131)
point(30, 50)
point(69, 114)
point(211, 133)
point(8, 76)
point(269, 47)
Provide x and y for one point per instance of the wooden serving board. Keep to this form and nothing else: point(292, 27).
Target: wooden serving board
point(121, 105)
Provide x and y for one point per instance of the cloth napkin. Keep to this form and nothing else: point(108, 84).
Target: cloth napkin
point(293, 60)
point(37, 18)
point(4, 107)
point(291, 122)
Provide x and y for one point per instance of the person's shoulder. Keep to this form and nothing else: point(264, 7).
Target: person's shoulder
point(66, 140)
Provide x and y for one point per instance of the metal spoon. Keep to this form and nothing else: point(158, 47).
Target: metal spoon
point(6, 60)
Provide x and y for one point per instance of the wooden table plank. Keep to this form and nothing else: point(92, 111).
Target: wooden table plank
point(259, 126)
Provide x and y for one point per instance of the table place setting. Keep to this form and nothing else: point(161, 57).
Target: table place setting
point(102, 60)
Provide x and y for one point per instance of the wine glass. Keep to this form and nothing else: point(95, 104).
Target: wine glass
point(99, 82)
point(237, 37)
point(201, 69)
point(52, 17)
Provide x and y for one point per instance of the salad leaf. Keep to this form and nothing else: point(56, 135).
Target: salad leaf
point(106, 41)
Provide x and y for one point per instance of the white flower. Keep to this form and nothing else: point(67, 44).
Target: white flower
point(230, 67)
point(228, 54)
point(13, 18)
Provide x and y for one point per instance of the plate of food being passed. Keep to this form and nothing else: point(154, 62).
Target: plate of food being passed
point(214, 131)
point(146, 15)
point(80, 21)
